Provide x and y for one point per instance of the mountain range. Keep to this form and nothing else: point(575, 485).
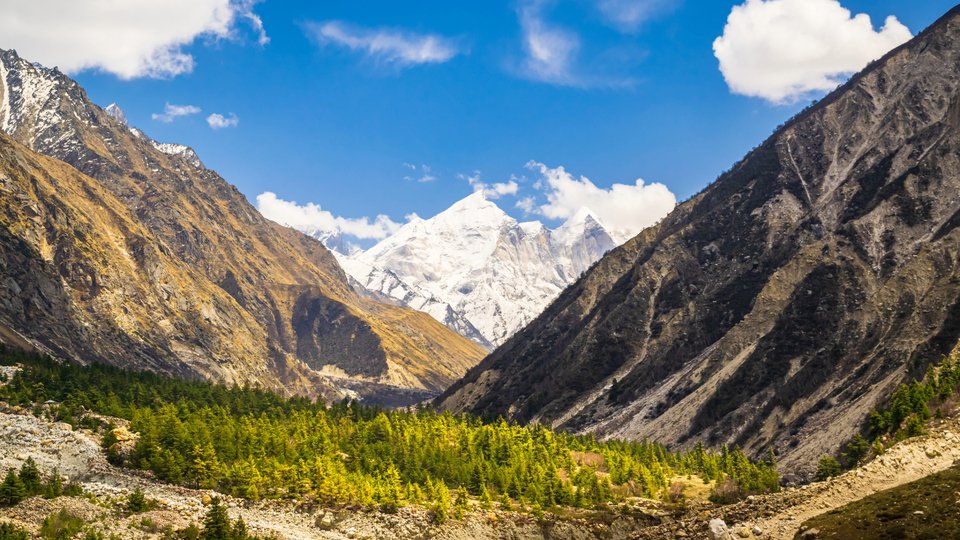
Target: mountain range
point(119, 249)
point(782, 304)
point(475, 268)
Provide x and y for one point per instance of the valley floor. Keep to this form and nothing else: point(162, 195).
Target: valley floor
point(77, 455)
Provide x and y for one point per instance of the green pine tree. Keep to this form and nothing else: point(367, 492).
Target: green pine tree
point(137, 502)
point(239, 530)
point(462, 504)
point(12, 490)
point(216, 524)
point(441, 505)
point(54, 485)
point(486, 502)
point(30, 477)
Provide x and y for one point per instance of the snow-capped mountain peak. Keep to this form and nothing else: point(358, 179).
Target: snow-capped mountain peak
point(476, 269)
point(116, 113)
point(31, 95)
point(583, 220)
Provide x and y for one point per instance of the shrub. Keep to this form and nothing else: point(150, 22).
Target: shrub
point(137, 502)
point(62, 525)
point(9, 532)
point(828, 467)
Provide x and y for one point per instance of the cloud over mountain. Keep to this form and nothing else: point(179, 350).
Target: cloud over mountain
point(128, 39)
point(312, 218)
point(782, 50)
point(625, 209)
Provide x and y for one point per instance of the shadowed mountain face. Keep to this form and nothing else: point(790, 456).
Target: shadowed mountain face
point(780, 305)
point(128, 251)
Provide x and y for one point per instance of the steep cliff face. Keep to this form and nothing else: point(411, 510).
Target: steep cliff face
point(282, 290)
point(776, 308)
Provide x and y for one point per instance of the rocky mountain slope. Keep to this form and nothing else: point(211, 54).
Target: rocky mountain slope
point(779, 306)
point(476, 269)
point(120, 249)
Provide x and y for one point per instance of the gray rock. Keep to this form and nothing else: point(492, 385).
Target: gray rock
point(718, 530)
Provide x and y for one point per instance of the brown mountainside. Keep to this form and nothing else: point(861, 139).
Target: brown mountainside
point(780, 305)
point(134, 253)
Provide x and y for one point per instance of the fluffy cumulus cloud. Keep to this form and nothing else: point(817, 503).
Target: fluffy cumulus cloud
point(491, 191)
point(624, 209)
point(132, 38)
point(387, 46)
point(628, 15)
point(312, 219)
point(172, 112)
point(783, 50)
point(219, 121)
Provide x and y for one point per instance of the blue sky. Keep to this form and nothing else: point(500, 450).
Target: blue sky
point(320, 122)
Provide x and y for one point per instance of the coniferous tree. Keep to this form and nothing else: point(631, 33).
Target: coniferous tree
point(239, 531)
point(462, 504)
point(12, 490)
point(54, 485)
point(486, 502)
point(216, 524)
point(441, 504)
point(137, 502)
point(30, 477)
point(505, 502)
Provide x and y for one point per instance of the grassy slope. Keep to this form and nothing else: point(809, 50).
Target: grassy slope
point(892, 513)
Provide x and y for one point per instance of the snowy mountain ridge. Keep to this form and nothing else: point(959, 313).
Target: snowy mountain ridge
point(476, 269)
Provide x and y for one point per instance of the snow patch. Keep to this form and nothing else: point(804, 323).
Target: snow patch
point(178, 150)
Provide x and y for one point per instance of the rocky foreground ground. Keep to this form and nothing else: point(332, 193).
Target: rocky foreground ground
point(77, 455)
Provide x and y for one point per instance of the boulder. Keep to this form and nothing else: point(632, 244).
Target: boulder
point(718, 530)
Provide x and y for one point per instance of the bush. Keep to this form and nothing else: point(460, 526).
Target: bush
point(62, 525)
point(725, 492)
point(137, 502)
point(9, 532)
point(675, 494)
point(828, 467)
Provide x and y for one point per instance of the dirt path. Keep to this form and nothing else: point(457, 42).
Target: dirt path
point(907, 461)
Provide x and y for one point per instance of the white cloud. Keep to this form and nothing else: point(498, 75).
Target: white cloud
point(172, 112)
point(628, 15)
point(490, 191)
point(245, 10)
point(552, 54)
point(219, 121)
point(310, 218)
point(388, 46)
point(141, 38)
point(424, 173)
point(783, 50)
point(527, 204)
point(550, 51)
point(624, 209)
